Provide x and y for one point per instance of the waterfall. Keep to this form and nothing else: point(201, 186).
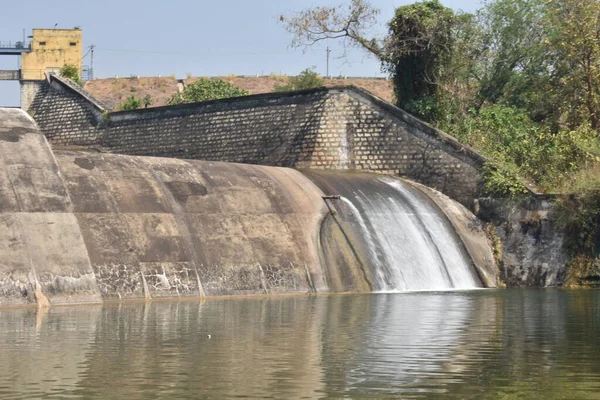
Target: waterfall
point(408, 242)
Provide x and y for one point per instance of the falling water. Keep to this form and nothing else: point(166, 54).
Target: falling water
point(409, 243)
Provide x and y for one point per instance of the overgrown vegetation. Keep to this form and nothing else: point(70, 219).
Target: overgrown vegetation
point(518, 80)
point(70, 71)
point(419, 44)
point(206, 89)
point(134, 103)
point(307, 79)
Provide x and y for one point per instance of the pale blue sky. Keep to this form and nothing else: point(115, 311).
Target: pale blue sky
point(203, 38)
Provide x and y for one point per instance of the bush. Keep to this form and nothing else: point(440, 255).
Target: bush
point(134, 103)
point(70, 71)
point(503, 179)
point(206, 89)
point(427, 108)
point(522, 149)
point(307, 79)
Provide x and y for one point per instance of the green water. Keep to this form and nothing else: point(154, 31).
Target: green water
point(511, 344)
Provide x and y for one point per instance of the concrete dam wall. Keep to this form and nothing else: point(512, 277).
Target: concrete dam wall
point(343, 128)
point(85, 227)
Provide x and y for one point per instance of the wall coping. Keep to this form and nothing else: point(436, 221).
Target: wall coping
point(397, 113)
point(460, 150)
point(78, 90)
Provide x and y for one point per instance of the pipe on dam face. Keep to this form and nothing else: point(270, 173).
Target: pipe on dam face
point(87, 227)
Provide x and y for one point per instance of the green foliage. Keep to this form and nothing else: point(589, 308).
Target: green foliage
point(70, 71)
point(206, 89)
point(134, 103)
point(503, 179)
point(420, 42)
point(427, 108)
point(520, 148)
point(574, 38)
point(307, 79)
point(511, 55)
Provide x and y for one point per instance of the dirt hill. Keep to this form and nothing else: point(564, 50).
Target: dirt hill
point(114, 91)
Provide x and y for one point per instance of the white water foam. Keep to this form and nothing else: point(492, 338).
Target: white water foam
point(411, 244)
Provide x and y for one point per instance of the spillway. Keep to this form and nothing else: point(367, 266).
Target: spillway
point(403, 240)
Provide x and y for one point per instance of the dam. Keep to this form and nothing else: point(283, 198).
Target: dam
point(82, 226)
point(250, 216)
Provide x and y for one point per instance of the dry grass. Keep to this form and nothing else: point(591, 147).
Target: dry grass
point(114, 91)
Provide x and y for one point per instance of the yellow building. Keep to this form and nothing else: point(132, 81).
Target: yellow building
point(50, 50)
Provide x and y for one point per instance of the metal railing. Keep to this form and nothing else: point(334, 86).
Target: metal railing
point(87, 73)
point(19, 44)
point(10, 74)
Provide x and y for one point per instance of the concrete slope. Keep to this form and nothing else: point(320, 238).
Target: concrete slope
point(158, 227)
point(41, 247)
point(83, 227)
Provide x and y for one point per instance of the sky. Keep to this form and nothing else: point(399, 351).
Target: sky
point(196, 37)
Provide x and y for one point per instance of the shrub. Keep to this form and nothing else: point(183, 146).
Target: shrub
point(522, 149)
point(206, 89)
point(70, 71)
point(134, 103)
point(307, 79)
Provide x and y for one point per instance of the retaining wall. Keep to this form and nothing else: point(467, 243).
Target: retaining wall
point(329, 128)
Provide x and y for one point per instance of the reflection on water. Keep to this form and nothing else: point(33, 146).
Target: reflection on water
point(487, 344)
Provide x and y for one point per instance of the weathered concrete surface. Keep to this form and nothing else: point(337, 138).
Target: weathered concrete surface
point(40, 241)
point(532, 245)
point(159, 227)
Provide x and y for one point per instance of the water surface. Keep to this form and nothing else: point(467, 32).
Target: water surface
point(528, 344)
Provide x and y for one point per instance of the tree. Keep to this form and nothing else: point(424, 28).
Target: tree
point(349, 23)
point(575, 37)
point(419, 44)
point(419, 40)
point(514, 65)
point(134, 103)
point(206, 89)
point(307, 79)
point(70, 71)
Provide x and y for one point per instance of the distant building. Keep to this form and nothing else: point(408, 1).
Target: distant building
point(49, 50)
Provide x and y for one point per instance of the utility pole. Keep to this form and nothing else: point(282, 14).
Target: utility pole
point(328, 51)
point(92, 62)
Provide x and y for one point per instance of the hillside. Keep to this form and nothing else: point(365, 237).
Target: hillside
point(114, 91)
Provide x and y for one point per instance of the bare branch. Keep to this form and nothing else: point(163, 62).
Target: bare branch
point(350, 22)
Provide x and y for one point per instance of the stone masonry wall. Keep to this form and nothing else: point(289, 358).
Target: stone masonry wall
point(29, 91)
point(334, 128)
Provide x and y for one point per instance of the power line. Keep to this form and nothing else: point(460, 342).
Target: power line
point(209, 52)
point(138, 51)
point(88, 52)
